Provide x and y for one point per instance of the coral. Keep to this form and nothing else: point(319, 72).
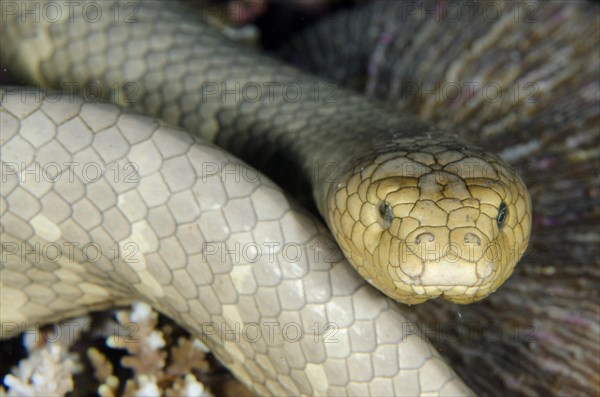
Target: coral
point(157, 370)
point(162, 364)
point(49, 369)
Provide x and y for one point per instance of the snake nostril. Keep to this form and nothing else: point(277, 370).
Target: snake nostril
point(472, 238)
point(424, 238)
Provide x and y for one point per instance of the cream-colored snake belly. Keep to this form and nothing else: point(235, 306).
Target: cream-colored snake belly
point(418, 213)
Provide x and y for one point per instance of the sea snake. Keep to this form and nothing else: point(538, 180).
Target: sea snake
point(418, 212)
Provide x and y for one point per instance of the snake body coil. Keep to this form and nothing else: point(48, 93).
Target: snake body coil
point(416, 211)
point(420, 214)
point(162, 221)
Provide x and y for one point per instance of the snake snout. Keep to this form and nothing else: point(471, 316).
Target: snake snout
point(445, 262)
point(470, 238)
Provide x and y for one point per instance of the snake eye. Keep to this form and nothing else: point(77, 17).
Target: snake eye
point(502, 214)
point(386, 213)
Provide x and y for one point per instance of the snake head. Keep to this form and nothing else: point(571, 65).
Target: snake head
point(432, 220)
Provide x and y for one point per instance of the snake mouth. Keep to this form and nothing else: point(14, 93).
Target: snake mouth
point(440, 273)
point(456, 280)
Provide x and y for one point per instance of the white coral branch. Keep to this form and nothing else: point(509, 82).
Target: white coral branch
point(49, 369)
point(44, 373)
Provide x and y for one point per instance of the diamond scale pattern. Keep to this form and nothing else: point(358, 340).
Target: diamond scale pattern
point(124, 214)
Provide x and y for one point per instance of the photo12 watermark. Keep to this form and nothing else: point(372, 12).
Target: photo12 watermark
point(235, 92)
point(468, 11)
point(70, 171)
point(124, 93)
point(58, 11)
point(68, 252)
point(271, 252)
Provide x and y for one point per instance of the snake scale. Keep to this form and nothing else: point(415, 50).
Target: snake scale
point(390, 179)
